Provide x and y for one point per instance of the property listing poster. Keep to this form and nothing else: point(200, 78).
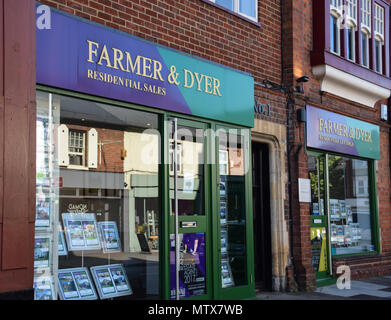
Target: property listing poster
point(111, 281)
point(109, 236)
point(192, 271)
point(81, 231)
point(76, 284)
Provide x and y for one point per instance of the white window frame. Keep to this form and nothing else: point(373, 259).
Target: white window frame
point(352, 10)
point(236, 9)
point(380, 56)
point(366, 15)
point(364, 30)
point(224, 161)
point(336, 14)
point(336, 5)
point(353, 27)
point(378, 20)
point(83, 153)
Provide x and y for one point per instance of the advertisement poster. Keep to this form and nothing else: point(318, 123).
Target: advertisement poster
point(111, 281)
point(226, 274)
point(224, 241)
point(42, 216)
point(76, 284)
point(81, 231)
point(223, 212)
point(109, 236)
point(192, 271)
point(41, 251)
point(62, 248)
point(318, 249)
point(43, 288)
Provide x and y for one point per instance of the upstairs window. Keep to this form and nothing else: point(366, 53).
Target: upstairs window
point(379, 37)
point(350, 42)
point(365, 48)
point(352, 9)
point(336, 4)
point(334, 33)
point(366, 15)
point(351, 27)
point(379, 20)
point(245, 8)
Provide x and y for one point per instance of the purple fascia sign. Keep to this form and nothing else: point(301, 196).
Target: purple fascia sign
point(82, 56)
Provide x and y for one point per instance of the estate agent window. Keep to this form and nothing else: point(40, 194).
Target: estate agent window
point(97, 205)
point(340, 188)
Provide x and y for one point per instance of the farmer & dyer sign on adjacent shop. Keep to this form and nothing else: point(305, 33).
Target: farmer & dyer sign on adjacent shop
point(333, 132)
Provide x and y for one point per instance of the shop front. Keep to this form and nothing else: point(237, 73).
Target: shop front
point(342, 154)
point(143, 187)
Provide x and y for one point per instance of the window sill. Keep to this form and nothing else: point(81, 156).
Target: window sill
point(255, 23)
point(357, 256)
point(349, 80)
point(74, 167)
point(355, 69)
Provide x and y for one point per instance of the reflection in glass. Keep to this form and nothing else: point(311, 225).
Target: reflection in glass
point(349, 206)
point(107, 197)
point(247, 7)
point(316, 174)
point(229, 4)
point(190, 170)
point(232, 210)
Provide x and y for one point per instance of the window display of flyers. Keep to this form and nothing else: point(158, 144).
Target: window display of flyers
point(223, 190)
point(41, 251)
point(81, 231)
point(111, 281)
point(223, 212)
point(62, 248)
point(226, 274)
point(109, 235)
point(224, 241)
point(75, 284)
point(42, 214)
point(43, 288)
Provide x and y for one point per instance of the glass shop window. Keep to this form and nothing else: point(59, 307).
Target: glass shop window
point(97, 225)
point(232, 170)
point(350, 214)
point(316, 172)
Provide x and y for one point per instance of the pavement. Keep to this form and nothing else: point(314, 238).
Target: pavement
point(378, 288)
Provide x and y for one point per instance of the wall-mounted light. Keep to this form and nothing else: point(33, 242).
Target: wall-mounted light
point(300, 81)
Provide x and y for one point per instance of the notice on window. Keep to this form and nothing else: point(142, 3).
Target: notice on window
point(304, 190)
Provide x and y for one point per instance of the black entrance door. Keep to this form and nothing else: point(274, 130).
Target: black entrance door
point(262, 221)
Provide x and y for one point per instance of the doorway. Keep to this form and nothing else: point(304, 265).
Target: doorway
point(262, 217)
